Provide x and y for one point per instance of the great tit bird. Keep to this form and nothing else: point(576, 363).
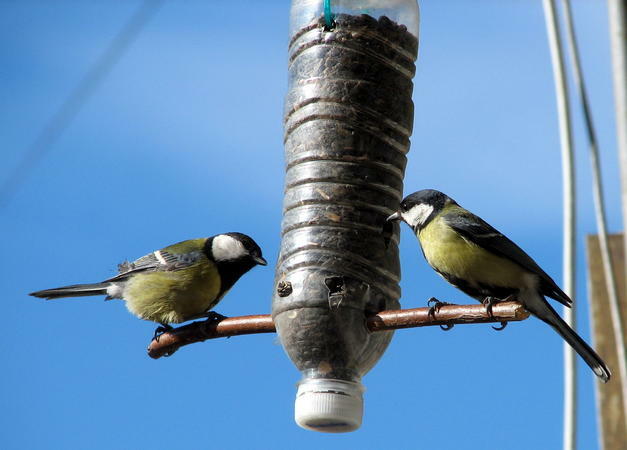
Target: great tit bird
point(483, 263)
point(177, 283)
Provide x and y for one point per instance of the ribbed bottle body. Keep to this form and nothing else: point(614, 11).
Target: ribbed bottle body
point(348, 119)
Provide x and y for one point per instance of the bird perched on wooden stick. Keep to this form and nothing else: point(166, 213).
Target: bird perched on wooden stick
point(178, 283)
point(480, 261)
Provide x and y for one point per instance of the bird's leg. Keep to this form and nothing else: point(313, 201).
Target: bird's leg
point(489, 302)
point(213, 316)
point(434, 306)
point(160, 330)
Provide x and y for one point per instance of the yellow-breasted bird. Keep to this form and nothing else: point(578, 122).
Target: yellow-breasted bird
point(177, 283)
point(483, 263)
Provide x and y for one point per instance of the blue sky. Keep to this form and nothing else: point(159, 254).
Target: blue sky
point(184, 139)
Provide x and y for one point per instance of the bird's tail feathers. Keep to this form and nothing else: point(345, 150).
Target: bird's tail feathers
point(75, 290)
point(545, 312)
point(550, 289)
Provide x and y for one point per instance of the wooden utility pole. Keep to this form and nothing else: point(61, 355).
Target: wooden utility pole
point(612, 423)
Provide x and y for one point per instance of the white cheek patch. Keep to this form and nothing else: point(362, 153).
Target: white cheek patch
point(226, 247)
point(417, 215)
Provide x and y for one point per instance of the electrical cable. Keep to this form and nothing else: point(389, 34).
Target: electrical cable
point(77, 98)
point(569, 262)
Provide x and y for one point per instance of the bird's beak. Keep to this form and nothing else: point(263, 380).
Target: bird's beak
point(259, 260)
point(394, 217)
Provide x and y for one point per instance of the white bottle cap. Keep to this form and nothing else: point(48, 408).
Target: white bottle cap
point(329, 405)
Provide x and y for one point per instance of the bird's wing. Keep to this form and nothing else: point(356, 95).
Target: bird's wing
point(481, 233)
point(159, 261)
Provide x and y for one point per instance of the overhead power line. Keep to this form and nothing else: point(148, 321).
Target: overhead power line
point(569, 258)
point(77, 98)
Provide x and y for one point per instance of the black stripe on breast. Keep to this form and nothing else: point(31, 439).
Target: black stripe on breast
point(231, 271)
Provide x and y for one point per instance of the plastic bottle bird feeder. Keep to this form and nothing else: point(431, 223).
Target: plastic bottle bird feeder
point(348, 119)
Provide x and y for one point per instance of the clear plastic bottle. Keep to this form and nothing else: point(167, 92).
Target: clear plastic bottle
point(348, 119)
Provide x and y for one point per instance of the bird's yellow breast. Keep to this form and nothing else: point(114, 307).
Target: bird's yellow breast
point(449, 252)
point(174, 297)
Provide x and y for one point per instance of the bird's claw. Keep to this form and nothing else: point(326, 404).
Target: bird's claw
point(433, 300)
point(434, 306)
point(489, 302)
point(164, 328)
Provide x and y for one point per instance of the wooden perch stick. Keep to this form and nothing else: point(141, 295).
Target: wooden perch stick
point(171, 341)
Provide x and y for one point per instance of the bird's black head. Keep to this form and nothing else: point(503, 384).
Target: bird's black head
point(234, 247)
point(419, 208)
